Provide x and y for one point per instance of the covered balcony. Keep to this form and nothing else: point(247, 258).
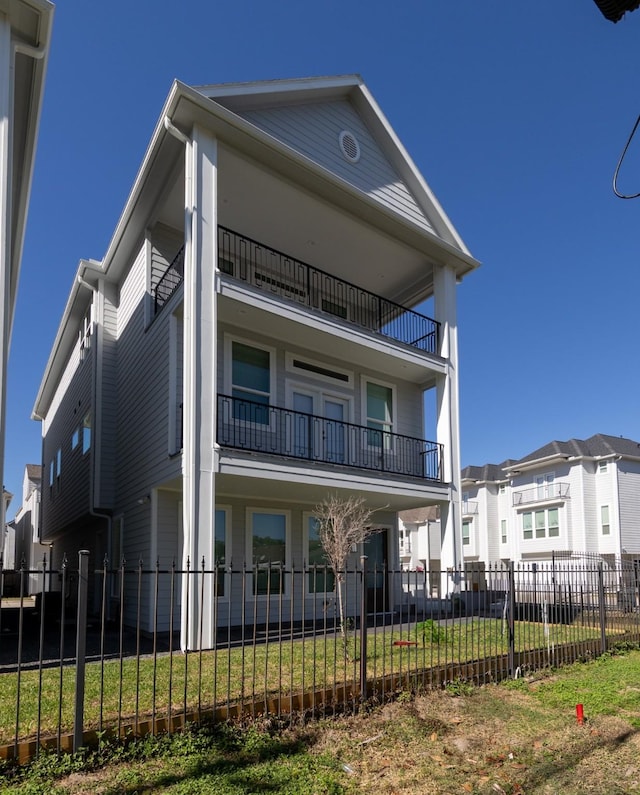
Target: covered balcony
point(542, 493)
point(279, 274)
point(261, 428)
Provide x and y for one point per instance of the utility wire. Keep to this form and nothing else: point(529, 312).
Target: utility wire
point(624, 152)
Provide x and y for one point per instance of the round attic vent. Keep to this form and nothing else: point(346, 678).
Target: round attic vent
point(349, 146)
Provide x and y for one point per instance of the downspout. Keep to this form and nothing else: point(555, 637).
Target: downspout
point(93, 511)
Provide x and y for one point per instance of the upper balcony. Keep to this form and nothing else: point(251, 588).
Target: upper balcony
point(278, 274)
point(541, 493)
point(262, 428)
point(469, 508)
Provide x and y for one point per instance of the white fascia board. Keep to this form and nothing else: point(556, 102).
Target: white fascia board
point(185, 106)
point(538, 462)
point(407, 169)
point(63, 343)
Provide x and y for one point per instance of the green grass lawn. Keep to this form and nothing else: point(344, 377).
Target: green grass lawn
point(185, 683)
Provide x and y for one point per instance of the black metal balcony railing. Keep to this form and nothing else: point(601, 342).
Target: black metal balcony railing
point(542, 493)
point(258, 427)
point(170, 280)
point(279, 274)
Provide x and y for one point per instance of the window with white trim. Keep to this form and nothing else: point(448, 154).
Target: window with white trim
point(86, 433)
point(269, 546)
point(545, 521)
point(379, 408)
point(503, 531)
point(466, 532)
point(251, 382)
point(320, 577)
point(602, 467)
point(605, 524)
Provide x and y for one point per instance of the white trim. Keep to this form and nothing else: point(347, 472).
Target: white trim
point(289, 358)
point(229, 339)
point(318, 393)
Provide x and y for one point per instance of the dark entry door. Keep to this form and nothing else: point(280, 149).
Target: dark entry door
point(375, 548)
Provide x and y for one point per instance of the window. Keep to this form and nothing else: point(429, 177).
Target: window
point(544, 485)
point(545, 521)
point(220, 549)
point(51, 472)
point(379, 413)
point(604, 520)
point(85, 331)
point(268, 544)
point(86, 433)
point(503, 531)
point(320, 578)
point(502, 488)
point(58, 463)
point(466, 533)
point(250, 381)
point(75, 438)
point(602, 467)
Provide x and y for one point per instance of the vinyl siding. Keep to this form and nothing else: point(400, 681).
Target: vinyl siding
point(68, 499)
point(313, 130)
point(143, 397)
point(105, 487)
point(628, 474)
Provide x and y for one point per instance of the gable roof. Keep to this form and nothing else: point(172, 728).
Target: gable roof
point(486, 472)
point(614, 10)
point(598, 446)
point(219, 108)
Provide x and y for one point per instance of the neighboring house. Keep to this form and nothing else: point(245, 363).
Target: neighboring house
point(248, 345)
point(29, 550)
point(25, 31)
point(574, 499)
point(8, 546)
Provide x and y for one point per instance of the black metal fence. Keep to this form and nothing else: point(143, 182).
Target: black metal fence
point(131, 650)
point(248, 425)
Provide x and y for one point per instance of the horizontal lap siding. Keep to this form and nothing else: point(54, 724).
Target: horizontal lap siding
point(105, 488)
point(628, 474)
point(143, 409)
point(313, 130)
point(69, 497)
point(165, 245)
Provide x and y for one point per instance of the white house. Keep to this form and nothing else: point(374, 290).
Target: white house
point(28, 549)
point(25, 31)
point(249, 343)
point(566, 499)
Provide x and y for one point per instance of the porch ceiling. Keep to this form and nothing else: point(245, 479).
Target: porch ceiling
point(262, 205)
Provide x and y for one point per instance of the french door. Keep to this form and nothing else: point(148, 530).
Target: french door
point(319, 430)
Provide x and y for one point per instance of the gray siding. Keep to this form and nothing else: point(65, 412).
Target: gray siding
point(67, 500)
point(165, 245)
point(143, 381)
point(313, 131)
point(629, 500)
point(107, 423)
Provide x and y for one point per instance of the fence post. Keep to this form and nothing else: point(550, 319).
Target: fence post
point(511, 619)
point(603, 610)
point(363, 630)
point(81, 647)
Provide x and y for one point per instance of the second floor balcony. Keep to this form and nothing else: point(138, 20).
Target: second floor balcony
point(469, 508)
point(541, 493)
point(281, 275)
point(261, 428)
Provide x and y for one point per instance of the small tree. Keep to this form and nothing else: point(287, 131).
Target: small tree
point(342, 522)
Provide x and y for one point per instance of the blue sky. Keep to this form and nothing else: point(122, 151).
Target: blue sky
point(515, 113)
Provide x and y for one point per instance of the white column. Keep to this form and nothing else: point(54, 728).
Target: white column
point(448, 422)
point(6, 74)
point(199, 391)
